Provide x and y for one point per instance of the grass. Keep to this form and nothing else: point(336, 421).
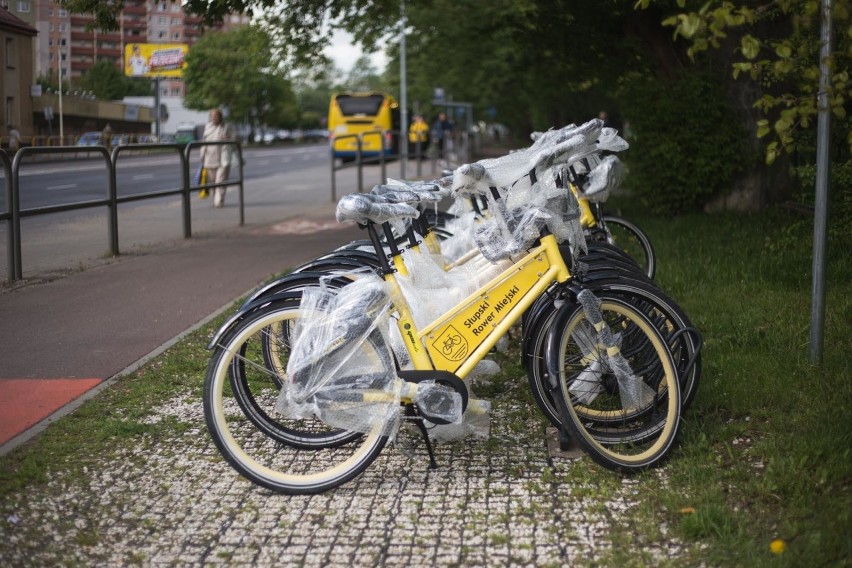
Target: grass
point(763, 454)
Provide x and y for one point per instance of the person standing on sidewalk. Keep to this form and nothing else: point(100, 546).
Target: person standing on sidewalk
point(14, 139)
point(216, 159)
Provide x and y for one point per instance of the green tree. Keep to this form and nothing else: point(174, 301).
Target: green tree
point(776, 44)
point(105, 81)
point(236, 70)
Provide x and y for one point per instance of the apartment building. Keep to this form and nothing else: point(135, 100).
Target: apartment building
point(65, 47)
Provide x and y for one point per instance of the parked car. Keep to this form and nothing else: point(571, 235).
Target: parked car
point(316, 135)
point(89, 139)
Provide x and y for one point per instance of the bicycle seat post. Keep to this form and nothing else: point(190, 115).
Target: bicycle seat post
point(377, 244)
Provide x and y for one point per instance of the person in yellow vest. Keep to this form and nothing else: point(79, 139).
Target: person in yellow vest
point(418, 132)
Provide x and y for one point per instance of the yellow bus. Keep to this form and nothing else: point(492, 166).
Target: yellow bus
point(360, 113)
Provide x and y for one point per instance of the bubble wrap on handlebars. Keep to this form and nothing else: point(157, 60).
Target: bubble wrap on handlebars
point(340, 368)
point(363, 207)
point(602, 348)
point(553, 147)
point(603, 179)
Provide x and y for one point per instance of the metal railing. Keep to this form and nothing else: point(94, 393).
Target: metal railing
point(15, 213)
point(360, 160)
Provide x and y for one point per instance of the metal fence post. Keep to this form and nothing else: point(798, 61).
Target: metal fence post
point(112, 188)
point(382, 157)
point(242, 191)
point(186, 201)
point(10, 241)
point(360, 166)
point(333, 173)
point(17, 271)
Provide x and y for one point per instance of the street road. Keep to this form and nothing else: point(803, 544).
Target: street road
point(84, 179)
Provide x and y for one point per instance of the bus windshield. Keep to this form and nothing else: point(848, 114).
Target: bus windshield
point(368, 105)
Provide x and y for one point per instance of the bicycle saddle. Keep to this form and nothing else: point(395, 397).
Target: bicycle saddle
point(369, 208)
point(425, 190)
point(396, 195)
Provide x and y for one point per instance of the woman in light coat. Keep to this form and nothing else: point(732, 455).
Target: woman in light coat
point(216, 159)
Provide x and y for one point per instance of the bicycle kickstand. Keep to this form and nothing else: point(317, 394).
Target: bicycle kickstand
point(418, 420)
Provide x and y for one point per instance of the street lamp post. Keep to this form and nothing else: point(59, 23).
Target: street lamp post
point(59, 75)
point(403, 96)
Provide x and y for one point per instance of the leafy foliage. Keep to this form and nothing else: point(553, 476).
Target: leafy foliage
point(105, 81)
point(235, 70)
point(690, 145)
point(778, 44)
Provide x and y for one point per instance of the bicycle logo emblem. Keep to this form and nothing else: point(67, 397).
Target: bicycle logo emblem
point(451, 344)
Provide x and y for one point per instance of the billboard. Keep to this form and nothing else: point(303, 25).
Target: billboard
point(154, 59)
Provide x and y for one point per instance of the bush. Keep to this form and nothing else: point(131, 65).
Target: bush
point(686, 143)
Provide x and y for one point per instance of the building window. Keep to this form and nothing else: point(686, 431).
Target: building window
point(176, 7)
point(162, 34)
point(63, 13)
point(10, 52)
point(61, 27)
point(176, 35)
point(163, 7)
point(50, 11)
point(163, 20)
point(175, 91)
point(176, 21)
point(23, 6)
point(62, 41)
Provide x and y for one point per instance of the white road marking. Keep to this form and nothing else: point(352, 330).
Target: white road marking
point(64, 186)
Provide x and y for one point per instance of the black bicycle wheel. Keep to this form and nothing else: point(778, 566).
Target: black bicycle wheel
point(626, 420)
point(631, 239)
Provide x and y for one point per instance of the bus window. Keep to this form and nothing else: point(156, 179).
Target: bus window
point(362, 113)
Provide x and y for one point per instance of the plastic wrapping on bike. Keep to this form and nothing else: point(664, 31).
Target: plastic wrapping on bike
point(427, 191)
point(599, 343)
point(339, 352)
point(429, 288)
point(610, 141)
point(364, 207)
point(603, 179)
point(462, 227)
point(475, 423)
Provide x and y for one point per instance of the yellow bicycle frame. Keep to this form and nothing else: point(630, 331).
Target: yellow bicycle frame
point(458, 340)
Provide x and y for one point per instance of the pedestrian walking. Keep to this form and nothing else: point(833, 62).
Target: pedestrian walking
point(217, 158)
point(442, 134)
point(106, 137)
point(14, 139)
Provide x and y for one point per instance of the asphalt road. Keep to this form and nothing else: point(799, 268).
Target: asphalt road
point(86, 178)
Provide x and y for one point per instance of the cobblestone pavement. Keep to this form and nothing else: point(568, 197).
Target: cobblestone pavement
point(170, 499)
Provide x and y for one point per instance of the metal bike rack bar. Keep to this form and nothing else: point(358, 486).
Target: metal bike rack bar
point(7, 215)
point(360, 160)
point(16, 271)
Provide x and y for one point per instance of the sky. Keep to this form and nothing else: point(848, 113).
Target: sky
point(345, 54)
